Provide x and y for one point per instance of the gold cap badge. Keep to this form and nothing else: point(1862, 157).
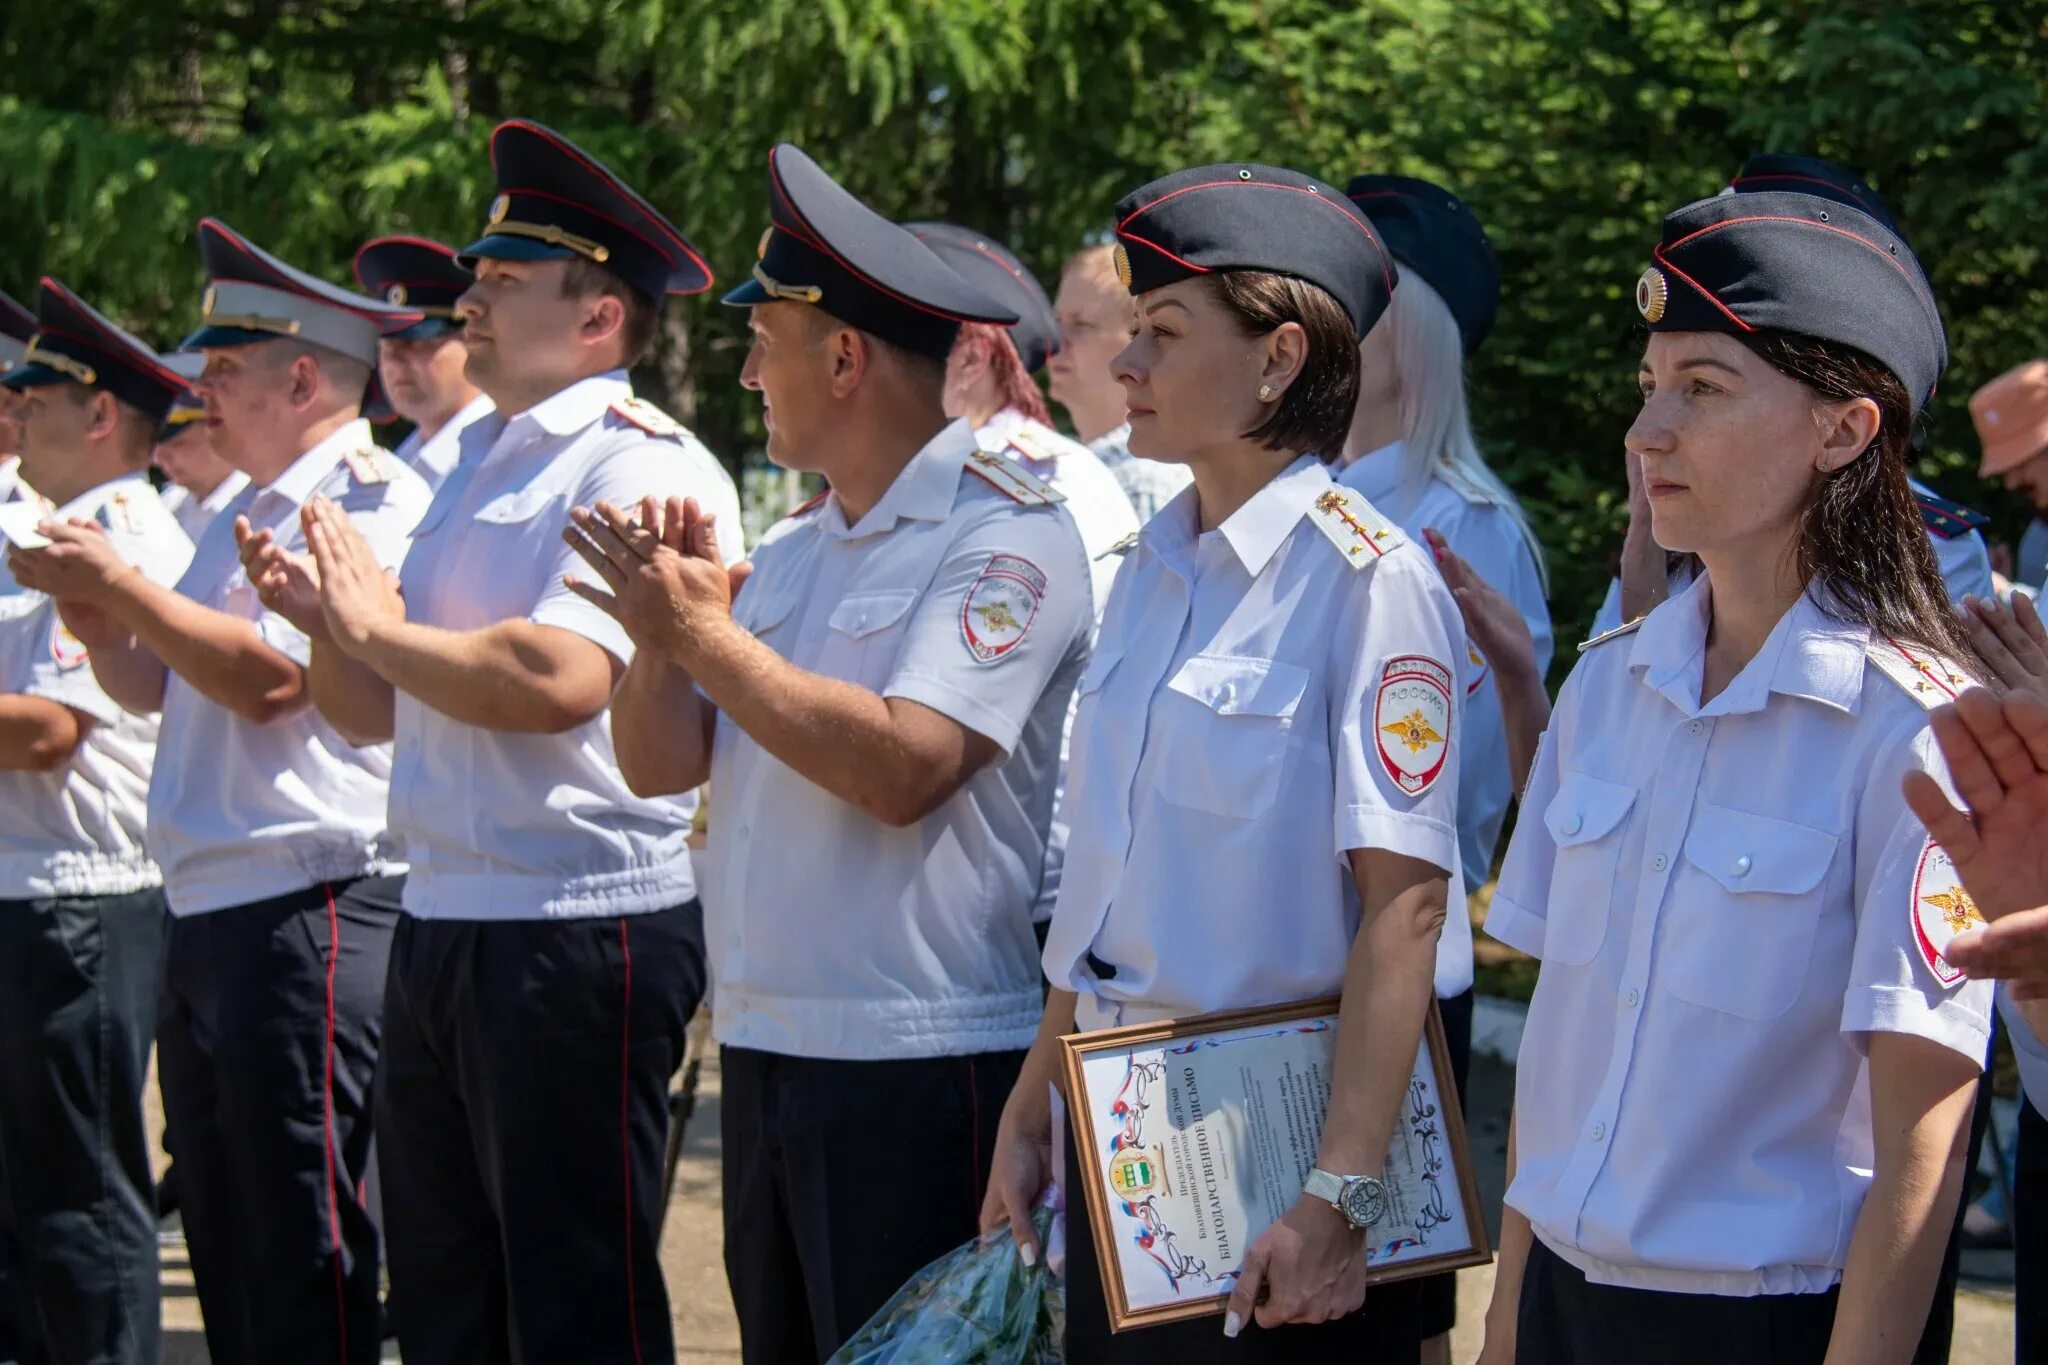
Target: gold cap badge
point(206, 302)
point(500, 206)
point(761, 247)
point(1122, 260)
point(1652, 293)
point(395, 294)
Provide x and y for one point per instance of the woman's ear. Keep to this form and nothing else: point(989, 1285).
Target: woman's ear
point(1284, 352)
point(1848, 430)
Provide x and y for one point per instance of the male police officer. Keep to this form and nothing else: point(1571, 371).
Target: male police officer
point(421, 365)
point(198, 482)
point(269, 825)
point(552, 950)
point(887, 698)
point(81, 904)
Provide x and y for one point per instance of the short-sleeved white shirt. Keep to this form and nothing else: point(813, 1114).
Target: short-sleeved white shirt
point(1486, 536)
point(240, 812)
point(434, 459)
point(1229, 754)
point(830, 933)
point(1724, 899)
point(78, 830)
point(503, 826)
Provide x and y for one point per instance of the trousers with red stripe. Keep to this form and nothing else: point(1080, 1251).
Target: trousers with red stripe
point(266, 1049)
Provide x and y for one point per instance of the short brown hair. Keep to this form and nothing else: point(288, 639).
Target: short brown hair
point(636, 333)
point(1314, 415)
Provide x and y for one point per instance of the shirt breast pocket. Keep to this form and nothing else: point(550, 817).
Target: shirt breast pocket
point(1585, 822)
point(864, 636)
point(1739, 929)
point(1227, 724)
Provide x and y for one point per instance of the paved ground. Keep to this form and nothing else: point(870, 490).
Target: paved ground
point(705, 1332)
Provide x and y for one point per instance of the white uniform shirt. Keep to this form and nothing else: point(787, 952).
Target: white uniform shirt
point(1724, 898)
point(241, 812)
point(1229, 754)
point(1149, 484)
point(503, 826)
point(433, 460)
point(1486, 536)
point(830, 933)
point(196, 514)
point(77, 830)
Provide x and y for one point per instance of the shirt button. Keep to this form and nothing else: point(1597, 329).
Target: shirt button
point(1742, 866)
point(1573, 823)
point(1659, 863)
point(1695, 727)
point(1631, 999)
point(1599, 1132)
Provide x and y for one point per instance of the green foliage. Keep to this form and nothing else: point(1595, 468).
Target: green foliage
point(1572, 126)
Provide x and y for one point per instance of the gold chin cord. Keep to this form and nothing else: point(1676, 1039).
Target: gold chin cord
point(793, 293)
point(62, 364)
point(554, 236)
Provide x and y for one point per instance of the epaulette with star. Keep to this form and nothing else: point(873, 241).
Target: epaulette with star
point(646, 416)
point(368, 465)
point(1946, 519)
point(1124, 545)
point(1354, 526)
point(1927, 678)
point(117, 513)
point(1012, 479)
point(1625, 628)
point(1026, 447)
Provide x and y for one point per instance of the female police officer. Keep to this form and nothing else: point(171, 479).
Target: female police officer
point(1748, 1071)
point(1243, 831)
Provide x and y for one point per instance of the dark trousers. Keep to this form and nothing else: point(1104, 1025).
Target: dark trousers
point(842, 1180)
point(266, 1049)
point(1564, 1319)
point(1439, 1293)
point(2030, 1227)
point(1387, 1331)
point(522, 1110)
point(78, 1003)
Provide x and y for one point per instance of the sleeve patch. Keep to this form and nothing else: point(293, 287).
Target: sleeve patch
point(1411, 721)
point(1000, 607)
point(67, 649)
point(1941, 910)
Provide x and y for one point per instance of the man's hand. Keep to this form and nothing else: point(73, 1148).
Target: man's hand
point(79, 563)
point(2011, 642)
point(288, 584)
point(1311, 1266)
point(666, 577)
point(356, 594)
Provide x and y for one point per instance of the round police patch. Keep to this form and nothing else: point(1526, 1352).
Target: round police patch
point(1411, 721)
point(67, 649)
point(1000, 607)
point(1941, 910)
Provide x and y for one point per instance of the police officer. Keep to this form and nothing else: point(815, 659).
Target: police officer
point(17, 327)
point(552, 951)
point(2011, 417)
point(1742, 1097)
point(421, 365)
point(268, 824)
point(198, 482)
point(81, 904)
point(1411, 453)
point(886, 697)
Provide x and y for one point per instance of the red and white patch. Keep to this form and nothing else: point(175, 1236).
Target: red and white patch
point(1475, 677)
point(1001, 606)
point(1942, 909)
point(67, 649)
point(1411, 721)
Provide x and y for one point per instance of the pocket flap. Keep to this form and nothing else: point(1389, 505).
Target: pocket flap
point(1099, 665)
point(867, 612)
point(1757, 853)
point(1232, 685)
point(1586, 808)
point(760, 608)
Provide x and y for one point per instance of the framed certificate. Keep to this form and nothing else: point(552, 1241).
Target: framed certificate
point(1195, 1135)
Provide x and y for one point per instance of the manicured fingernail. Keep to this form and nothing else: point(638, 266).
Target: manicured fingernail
point(1232, 1325)
point(1029, 1253)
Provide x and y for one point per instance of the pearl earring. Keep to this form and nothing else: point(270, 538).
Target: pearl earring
point(1265, 393)
point(1823, 466)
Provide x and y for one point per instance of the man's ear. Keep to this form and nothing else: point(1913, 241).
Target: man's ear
point(604, 318)
point(305, 381)
point(848, 359)
point(103, 415)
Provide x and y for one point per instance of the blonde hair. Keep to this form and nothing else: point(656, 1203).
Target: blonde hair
point(1097, 263)
point(1436, 424)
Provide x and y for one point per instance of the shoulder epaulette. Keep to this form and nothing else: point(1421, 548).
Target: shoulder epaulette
point(646, 416)
point(1014, 480)
point(117, 513)
point(1625, 628)
point(368, 465)
point(811, 505)
point(1123, 546)
point(1926, 678)
point(1027, 447)
point(1946, 519)
point(1354, 526)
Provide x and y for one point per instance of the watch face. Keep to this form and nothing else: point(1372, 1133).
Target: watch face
point(1364, 1202)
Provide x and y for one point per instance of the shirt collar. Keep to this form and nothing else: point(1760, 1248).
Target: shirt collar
point(925, 489)
point(1377, 473)
point(451, 430)
point(87, 504)
point(303, 475)
point(1257, 530)
point(224, 492)
point(567, 411)
point(1808, 654)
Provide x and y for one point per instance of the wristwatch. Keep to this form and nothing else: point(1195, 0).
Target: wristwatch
point(1360, 1198)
